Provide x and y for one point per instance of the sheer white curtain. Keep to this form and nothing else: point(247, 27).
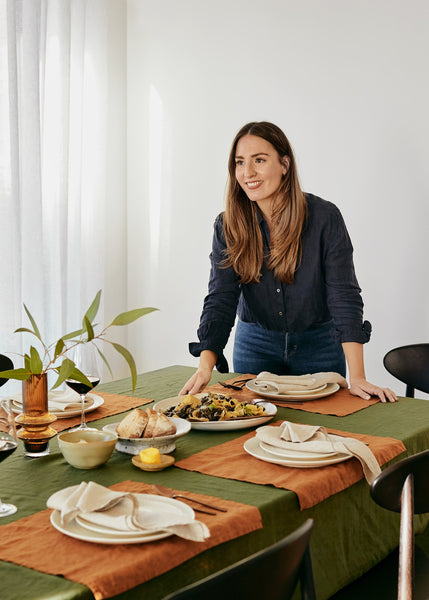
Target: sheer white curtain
point(62, 162)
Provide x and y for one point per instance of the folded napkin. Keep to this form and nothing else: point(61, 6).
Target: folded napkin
point(314, 438)
point(60, 400)
point(122, 511)
point(292, 383)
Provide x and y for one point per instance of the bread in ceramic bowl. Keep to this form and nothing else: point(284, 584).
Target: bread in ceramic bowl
point(145, 424)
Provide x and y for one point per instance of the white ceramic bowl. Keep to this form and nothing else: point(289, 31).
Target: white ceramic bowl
point(164, 443)
point(87, 449)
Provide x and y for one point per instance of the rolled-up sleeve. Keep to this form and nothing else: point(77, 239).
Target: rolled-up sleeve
point(342, 289)
point(220, 304)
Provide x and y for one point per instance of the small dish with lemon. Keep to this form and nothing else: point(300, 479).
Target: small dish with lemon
point(150, 459)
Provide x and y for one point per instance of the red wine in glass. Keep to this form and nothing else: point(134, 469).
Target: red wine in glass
point(6, 449)
point(82, 389)
point(85, 357)
point(7, 446)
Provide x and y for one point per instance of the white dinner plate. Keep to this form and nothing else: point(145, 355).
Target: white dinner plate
point(273, 394)
point(300, 392)
point(97, 401)
point(295, 454)
point(114, 533)
point(253, 448)
point(227, 425)
point(88, 532)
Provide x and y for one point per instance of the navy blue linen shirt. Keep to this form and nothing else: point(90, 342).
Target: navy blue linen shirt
point(325, 287)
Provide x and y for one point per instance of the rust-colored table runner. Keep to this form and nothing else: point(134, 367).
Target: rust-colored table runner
point(340, 403)
point(312, 485)
point(109, 570)
point(114, 404)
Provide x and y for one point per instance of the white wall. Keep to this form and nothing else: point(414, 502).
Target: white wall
point(348, 83)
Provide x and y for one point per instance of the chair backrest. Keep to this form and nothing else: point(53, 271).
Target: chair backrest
point(386, 489)
point(271, 574)
point(404, 487)
point(5, 365)
point(410, 364)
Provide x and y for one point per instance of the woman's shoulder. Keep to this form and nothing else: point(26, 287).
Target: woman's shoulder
point(219, 219)
point(218, 230)
point(320, 210)
point(317, 204)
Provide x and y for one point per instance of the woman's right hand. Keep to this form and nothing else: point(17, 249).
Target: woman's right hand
point(202, 376)
point(196, 383)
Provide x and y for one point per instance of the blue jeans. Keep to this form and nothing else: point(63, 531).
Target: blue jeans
point(257, 349)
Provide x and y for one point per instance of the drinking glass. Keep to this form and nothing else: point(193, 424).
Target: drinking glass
point(85, 358)
point(8, 445)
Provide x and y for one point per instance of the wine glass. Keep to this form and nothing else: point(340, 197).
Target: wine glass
point(8, 445)
point(85, 359)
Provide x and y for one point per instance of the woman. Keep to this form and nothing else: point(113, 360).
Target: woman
point(282, 260)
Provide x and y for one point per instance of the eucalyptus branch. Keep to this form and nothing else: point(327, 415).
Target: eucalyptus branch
point(35, 365)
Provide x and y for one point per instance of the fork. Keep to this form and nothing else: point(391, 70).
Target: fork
point(236, 385)
point(163, 491)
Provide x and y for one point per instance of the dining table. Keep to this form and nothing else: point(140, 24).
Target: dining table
point(351, 532)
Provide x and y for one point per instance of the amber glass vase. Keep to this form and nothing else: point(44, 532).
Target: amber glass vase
point(35, 419)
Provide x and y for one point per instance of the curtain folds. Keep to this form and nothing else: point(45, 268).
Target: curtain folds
point(62, 121)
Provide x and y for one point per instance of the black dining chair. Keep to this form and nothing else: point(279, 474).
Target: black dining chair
point(410, 364)
point(5, 365)
point(271, 574)
point(404, 575)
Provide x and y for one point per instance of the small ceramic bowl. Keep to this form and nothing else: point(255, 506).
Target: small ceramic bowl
point(166, 461)
point(87, 449)
point(164, 443)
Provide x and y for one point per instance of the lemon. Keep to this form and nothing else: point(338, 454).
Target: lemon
point(150, 455)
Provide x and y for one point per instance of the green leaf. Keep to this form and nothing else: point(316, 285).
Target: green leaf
point(73, 334)
point(93, 309)
point(20, 374)
point(36, 364)
point(104, 359)
point(27, 362)
point(88, 328)
point(128, 317)
point(71, 373)
point(33, 322)
point(130, 360)
point(26, 330)
point(59, 347)
point(79, 376)
point(64, 372)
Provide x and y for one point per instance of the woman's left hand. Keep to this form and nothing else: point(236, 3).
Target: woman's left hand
point(364, 389)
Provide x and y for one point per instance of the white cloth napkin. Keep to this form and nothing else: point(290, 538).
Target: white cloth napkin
point(60, 400)
point(315, 438)
point(122, 511)
point(285, 384)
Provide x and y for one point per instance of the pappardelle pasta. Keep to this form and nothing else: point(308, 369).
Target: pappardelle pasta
point(213, 407)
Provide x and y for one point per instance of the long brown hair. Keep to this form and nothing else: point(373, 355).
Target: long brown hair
point(289, 215)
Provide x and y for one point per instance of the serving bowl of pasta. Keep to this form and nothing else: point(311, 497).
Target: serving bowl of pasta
point(217, 412)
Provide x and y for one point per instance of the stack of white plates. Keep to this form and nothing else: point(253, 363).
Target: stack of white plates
point(73, 409)
point(292, 458)
point(81, 529)
point(270, 391)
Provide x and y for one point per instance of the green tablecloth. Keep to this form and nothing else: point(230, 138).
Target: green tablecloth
point(351, 533)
